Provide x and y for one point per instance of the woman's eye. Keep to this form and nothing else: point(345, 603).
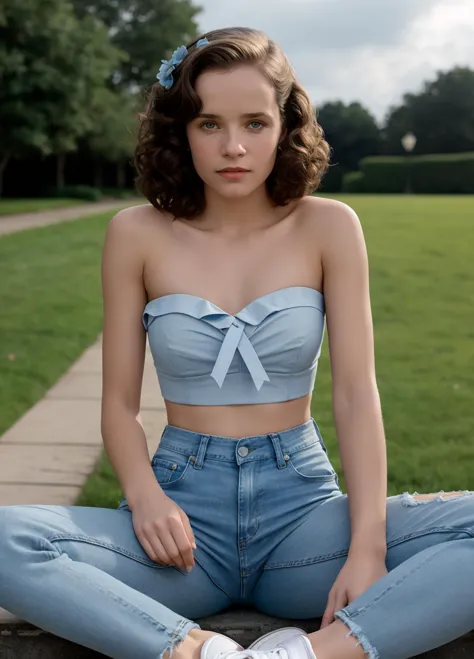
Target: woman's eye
point(211, 125)
point(208, 125)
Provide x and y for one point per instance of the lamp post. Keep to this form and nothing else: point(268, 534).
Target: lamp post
point(408, 142)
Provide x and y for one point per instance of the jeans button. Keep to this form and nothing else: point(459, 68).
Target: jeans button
point(243, 451)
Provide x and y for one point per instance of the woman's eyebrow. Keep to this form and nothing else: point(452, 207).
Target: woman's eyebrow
point(246, 115)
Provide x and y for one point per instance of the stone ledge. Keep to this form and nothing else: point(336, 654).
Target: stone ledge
point(20, 640)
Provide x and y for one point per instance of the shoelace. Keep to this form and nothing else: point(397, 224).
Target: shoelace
point(276, 653)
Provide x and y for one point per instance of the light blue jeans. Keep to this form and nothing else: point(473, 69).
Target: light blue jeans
point(272, 531)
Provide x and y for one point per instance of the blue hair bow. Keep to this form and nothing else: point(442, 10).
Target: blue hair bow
point(165, 74)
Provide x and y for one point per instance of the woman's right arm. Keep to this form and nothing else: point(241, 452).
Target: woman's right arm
point(123, 356)
point(161, 526)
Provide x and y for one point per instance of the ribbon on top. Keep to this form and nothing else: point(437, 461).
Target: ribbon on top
point(236, 339)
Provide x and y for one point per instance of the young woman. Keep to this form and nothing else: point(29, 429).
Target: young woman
point(233, 270)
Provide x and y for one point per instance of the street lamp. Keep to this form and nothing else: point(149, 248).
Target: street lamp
point(408, 143)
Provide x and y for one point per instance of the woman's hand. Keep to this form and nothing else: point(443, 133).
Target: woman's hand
point(360, 571)
point(163, 530)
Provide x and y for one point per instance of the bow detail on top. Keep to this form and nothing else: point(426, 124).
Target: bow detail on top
point(236, 339)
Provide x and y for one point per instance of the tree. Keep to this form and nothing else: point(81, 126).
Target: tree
point(441, 115)
point(147, 30)
point(351, 131)
point(51, 65)
point(94, 58)
point(113, 136)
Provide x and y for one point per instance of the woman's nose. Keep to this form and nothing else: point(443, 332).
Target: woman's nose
point(232, 146)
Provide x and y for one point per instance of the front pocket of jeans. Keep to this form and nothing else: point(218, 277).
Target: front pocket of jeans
point(312, 463)
point(169, 472)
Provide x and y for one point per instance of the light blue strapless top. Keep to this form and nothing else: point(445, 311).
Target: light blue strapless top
point(266, 353)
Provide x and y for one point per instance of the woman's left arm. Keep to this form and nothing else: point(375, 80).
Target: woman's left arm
point(356, 401)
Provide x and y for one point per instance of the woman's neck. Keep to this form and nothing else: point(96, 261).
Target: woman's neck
point(238, 216)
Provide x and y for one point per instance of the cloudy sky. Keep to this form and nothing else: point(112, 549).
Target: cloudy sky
point(370, 51)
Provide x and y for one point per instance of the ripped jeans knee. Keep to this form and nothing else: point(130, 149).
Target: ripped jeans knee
point(416, 499)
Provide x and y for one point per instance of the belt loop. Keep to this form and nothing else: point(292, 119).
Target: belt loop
point(281, 463)
point(199, 459)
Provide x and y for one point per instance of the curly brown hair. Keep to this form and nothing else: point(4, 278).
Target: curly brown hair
point(165, 171)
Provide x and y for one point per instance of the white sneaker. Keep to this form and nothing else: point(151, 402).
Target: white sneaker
point(277, 637)
point(219, 646)
point(296, 647)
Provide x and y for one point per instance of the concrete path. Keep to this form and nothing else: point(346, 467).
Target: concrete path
point(21, 221)
point(48, 454)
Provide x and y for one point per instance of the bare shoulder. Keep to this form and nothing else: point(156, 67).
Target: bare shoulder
point(332, 223)
point(327, 214)
point(135, 221)
point(132, 230)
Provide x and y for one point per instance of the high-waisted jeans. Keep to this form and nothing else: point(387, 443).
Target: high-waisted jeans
point(272, 531)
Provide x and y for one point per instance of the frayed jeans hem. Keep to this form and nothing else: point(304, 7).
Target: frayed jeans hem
point(178, 637)
point(355, 630)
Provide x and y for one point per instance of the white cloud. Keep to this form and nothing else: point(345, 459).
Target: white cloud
point(370, 51)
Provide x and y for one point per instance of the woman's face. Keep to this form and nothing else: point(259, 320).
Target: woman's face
point(239, 127)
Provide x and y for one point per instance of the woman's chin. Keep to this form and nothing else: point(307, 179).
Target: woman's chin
point(236, 190)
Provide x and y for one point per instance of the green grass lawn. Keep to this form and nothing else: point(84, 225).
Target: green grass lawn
point(422, 291)
point(15, 206)
point(51, 308)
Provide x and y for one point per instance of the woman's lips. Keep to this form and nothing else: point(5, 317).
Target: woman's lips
point(234, 174)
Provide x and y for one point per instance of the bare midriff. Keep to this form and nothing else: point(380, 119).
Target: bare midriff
point(237, 421)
